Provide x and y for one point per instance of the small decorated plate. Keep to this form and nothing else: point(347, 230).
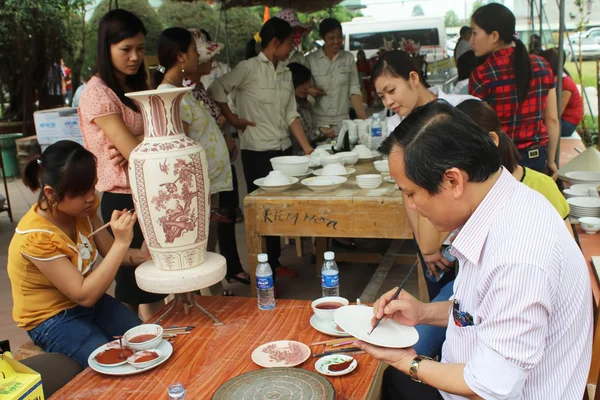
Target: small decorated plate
point(336, 365)
point(282, 353)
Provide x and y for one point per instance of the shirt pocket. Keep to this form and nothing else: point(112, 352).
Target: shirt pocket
point(266, 92)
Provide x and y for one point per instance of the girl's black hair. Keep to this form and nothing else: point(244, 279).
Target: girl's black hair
point(398, 64)
point(171, 42)
point(66, 167)
point(496, 17)
point(275, 28)
point(328, 25)
point(551, 55)
point(116, 26)
point(486, 117)
point(300, 74)
point(467, 63)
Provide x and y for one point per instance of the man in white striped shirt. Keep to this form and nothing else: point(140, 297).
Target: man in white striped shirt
point(520, 325)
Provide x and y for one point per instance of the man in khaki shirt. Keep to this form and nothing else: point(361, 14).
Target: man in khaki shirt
point(334, 70)
point(264, 96)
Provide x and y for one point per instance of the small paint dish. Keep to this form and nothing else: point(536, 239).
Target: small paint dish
point(336, 365)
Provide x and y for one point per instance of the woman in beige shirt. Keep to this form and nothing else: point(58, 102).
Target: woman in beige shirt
point(334, 70)
point(266, 110)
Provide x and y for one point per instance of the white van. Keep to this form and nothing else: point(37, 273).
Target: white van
point(368, 34)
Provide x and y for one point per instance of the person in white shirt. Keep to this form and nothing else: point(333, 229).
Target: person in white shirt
point(464, 43)
point(520, 324)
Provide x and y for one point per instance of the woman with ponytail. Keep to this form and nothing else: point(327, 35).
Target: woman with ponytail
point(112, 126)
point(58, 287)
point(266, 110)
point(520, 87)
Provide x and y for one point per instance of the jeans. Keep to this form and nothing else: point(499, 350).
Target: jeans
point(566, 128)
point(397, 386)
point(539, 163)
point(431, 338)
point(78, 331)
point(226, 231)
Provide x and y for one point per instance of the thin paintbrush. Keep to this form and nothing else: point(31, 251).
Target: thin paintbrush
point(396, 294)
point(328, 353)
point(106, 225)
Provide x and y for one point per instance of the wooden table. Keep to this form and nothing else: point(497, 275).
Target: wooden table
point(212, 355)
point(348, 212)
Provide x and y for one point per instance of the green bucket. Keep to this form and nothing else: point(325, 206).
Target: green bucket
point(9, 153)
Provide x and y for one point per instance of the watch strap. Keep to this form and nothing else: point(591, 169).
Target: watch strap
point(414, 367)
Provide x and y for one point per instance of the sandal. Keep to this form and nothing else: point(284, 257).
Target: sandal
point(351, 245)
point(228, 293)
point(231, 279)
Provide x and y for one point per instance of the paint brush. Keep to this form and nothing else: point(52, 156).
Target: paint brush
point(395, 295)
point(341, 351)
point(106, 225)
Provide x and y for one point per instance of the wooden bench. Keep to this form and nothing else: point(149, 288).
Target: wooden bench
point(28, 349)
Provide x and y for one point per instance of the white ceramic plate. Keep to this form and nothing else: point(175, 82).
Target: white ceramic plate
point(356, 320)
point(583, 186)
point(389, 179)
point(322, 365)
point(282, 353)
point(276, 188)
point(324, 327)
point(584, 202)
point(126, 369)
point(580, 177)
point(349, 171)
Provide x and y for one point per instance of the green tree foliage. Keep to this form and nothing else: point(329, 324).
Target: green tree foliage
point(451, 19)
point(141, 8)
point(476, 5)
point(338, 12)
point(418, 11)
point(34, 36)
point(242, 23)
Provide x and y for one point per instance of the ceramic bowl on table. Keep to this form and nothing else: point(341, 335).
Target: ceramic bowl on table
point(153, 334)
point(133, 360)
point(590, 225)
point(363, 151)
point(334, 170)
point(382, 166)
point(278, 187)
point(325, 307)
point(578, 192)
point(291, 165)
point(332, 159)
point(583, 177)
point(369, 181)
point(276, 178)
point(350, 157)
point(324, 183)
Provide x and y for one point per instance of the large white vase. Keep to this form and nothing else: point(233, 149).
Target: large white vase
point(168, 174)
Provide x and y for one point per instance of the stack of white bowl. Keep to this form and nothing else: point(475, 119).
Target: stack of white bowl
point(369, 181)
point(584, 206)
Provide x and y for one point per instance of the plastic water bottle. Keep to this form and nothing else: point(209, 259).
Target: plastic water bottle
point(176, 391)
point(264, 284)
point(330, 276)
point(376, 132)
point(446, 254)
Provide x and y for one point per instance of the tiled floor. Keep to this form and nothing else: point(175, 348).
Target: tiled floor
point(354, 277)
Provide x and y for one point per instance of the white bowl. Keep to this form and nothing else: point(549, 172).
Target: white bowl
point(333, 169)
point(332, 159)
point(570, 192)
point(319, 153)
point(363, 151)
point(132, 359)
point(324, 183)
point(382, 166)
point(347, 171)
point(583, 186)
point(584, 202)
point(590, 224)
point(327, 315)
point(291, 165)
point(276, 178)
point(581, 177)
point(593, 192)
point(275, 188)
point(369, 181)
point(350, 157)
point(145, 329)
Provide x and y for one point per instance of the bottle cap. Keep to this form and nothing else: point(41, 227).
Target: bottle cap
point(329, 255)
point(263, 258)
point(376, 115)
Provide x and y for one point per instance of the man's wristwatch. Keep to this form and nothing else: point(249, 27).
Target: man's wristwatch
point(414, 367)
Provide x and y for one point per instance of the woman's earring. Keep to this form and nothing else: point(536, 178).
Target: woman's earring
point(182, 69)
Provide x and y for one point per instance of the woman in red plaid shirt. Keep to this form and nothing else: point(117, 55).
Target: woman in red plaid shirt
point(519, 86)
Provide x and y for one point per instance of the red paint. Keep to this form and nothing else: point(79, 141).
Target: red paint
point(329, 305)
point(340, 366)
point(113, 356)
point(142, 338)
point(147, 356)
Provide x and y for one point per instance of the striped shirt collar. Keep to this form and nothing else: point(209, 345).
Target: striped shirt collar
point(472, 236)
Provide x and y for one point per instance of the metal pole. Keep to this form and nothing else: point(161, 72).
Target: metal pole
point(559, 78)
point(531, 17)
point(226, 34)
point(540, 22)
